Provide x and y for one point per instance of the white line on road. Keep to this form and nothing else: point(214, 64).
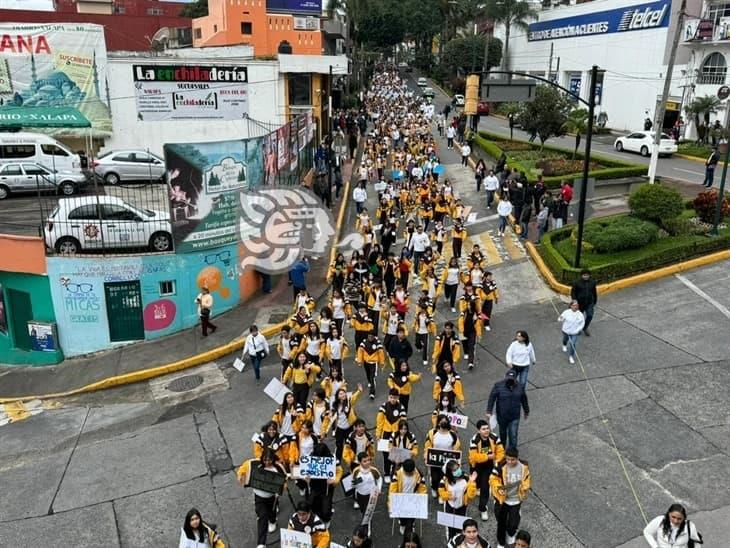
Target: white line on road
point(723, 310)
point(688, 171)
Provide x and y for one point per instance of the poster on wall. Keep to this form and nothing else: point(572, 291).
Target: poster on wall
point(271, 158)
point(294, 6)
point(205, 181)
point(42, 336)
point(3, 312)
point(293, 145)
point(184, 92)
point(303, 134)
point(54, 73)
point(282, 139)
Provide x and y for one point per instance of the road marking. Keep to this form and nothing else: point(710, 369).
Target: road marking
point(490, 250)
point(723, 310)
point(18, 411)
point(514, 248)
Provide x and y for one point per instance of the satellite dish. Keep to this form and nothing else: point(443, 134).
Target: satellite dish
point(160, 39)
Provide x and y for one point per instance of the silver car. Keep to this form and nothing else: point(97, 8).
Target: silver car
point(128, 165)
point(18, 177)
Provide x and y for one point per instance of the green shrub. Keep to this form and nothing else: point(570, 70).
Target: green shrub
point(612, 234)
point(656, 203)
point(682, 226)
point(706, 203)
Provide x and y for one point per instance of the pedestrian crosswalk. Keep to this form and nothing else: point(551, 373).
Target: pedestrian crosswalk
point(18, 411)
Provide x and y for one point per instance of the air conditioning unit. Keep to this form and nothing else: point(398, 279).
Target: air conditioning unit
point(306, 23)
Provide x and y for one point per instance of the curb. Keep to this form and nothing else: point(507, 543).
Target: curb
point(192, 361)
point(696, 159)
point(631, 281)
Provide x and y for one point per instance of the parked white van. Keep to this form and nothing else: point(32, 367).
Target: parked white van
point(38, 148)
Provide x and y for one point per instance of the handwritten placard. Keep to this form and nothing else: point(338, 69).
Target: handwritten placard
point(408, 505)
point(295, 539)
point(239, 364)
point(347, 484)
point(317, 467)
point(276, 390)
point(460, 421)
point(266, 480)
point(370, 508)
point(454, 521)
point(384, 445)
point(439, 457)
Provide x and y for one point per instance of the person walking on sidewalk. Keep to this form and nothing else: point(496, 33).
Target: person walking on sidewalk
point(491, 184)
point(256, 348)
point(450, 134)
point(204, 300)
point(504, 210)
point(710, 165)
point(573, 322)
point(360, 196)
point(520, 356)
point(465, 153)
point(298, 276)
point(584, 291)
point(509, 397)
point(510, 482)
point(480, 171)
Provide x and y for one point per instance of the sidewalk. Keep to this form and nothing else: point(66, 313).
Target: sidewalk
point(147, 359)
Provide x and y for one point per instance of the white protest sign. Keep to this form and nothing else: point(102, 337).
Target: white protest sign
point(408, 505)
point(399, 454)
point(317, 467)
point(384, 445)
point(276, 390)
point(295, 539)
point(370, 508)
point(454, 521)
point(460, 421)
point(239, 364)
point(335, 545)
point(493, 423)
point(347, 483)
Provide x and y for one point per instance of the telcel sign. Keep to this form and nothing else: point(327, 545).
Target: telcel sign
point(653, 15)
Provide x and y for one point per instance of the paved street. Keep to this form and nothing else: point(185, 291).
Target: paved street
point(639, 422)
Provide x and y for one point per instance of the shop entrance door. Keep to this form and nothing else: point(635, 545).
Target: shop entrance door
point(124, 311)
point(21, 313)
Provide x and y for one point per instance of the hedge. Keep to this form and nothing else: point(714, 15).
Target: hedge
point(613, 170)
point(661, 253)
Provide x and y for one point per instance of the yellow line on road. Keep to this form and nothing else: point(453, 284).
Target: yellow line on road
point(489, 249)
point(515, 253)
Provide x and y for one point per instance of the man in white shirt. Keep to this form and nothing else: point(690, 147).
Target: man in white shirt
point(491, 184)
point(450, 134)
point(360, 196)
point(465, 153)
point(256, 349)
point(418, 244)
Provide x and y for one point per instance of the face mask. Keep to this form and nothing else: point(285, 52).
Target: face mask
point(458, 473)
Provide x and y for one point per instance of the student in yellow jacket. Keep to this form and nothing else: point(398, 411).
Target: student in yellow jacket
point(470, 330)
point(447, 348)
point(318, 412)
point(304, 299)
point(332, 383)
point(458, 236)
point(270, 438)
point(288, 416)
point(401, 380)
point(407, 480)
point(370, 356)
point(265, 502)
point(389, 416)
point(448, 384)
point(491, 297)
point(306, 521)
point(302, 445)
point(476, 258)
point(335, 349)
point(321, 491)
point(485, 449)
point(509, 484)
point(470, 294)
point(359, 441)
point(362, 323)
point(441, 437)
point(344, 416)
point(302, 373)
point(455, 491)
point(299, 322)
point(287, 348)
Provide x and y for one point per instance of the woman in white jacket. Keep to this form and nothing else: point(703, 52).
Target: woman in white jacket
point(672, 530)
point(520, 356)
point(504, 210)
point(573, 322)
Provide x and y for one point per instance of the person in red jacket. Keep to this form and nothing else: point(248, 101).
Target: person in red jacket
point(566, 192)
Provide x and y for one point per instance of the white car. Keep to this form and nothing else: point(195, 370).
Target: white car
point(93, 222)
point(19, 177)
point(643, 143)
point(422, 82)
point(459, 100)
point(129, 165)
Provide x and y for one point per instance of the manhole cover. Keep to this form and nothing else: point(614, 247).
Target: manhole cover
point(183, 384)
point(278, 317)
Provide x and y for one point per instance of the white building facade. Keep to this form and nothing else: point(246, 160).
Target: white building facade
point(629, 40)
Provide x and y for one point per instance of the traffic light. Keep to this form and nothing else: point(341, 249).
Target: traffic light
point(472, 94)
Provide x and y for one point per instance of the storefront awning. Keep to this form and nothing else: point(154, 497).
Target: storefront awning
point(42, 117)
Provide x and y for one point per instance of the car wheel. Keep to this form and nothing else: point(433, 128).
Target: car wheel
point(68, 246)
point(4, 192)
point(67, 189)
point(160, 241)
point(620, 146)
point(111, 178)
point(645, 151)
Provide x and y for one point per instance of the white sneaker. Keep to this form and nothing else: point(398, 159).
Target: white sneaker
point(510, 540)
point(272, 527)
point(402, 530)
point(485, 515)
point(425, 363)
point(453, 309)
point(433, 493)
point(570, 359)
point(471, 366)
point(387, 479)
point(488, 328)
point(500, 545)
point(356, 506)
point(565, 348)
point(466, 356)
point(261, 546)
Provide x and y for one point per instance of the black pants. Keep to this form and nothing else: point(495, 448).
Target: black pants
point(301, 393)
point(450, 142)
point(487, 306)
point(362, 500)
point(375, 316)
point(338, 282)
point(483, 473)
point(422, 344)
point(336, 364)
point(464, 160)
point(284, 366)
point(458, 511)
point(404, 279)
point(437, 474)
point(321, 502)
point(508, 520)
point(456, 244)
point(479, 183)
point(450, 294)
point(370, 369)
point(469, 344)
point(340, 438)
point(407, 523)
point(404, 400)
point(389, 285)
point(440, 247)
point(360, 336)
point(340, 323)
point(417, 261)
point(206, 324)
point(265, 514)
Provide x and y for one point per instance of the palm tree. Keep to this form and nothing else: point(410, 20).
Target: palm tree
point(577, 123)
point(510, 13)
point(702, 106)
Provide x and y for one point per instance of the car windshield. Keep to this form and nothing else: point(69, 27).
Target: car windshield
point(100, 156)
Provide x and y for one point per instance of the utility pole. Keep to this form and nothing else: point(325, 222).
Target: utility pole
point(550, 63)
point(659, 115)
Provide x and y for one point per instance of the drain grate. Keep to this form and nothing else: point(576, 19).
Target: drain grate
point(184, 384)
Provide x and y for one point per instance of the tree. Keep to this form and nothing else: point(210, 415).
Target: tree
point(467, 53)
point(199, 8)
point(702, 106)
point(422, 28)
point(577, 123)
point(547, 115)
point(510, 13)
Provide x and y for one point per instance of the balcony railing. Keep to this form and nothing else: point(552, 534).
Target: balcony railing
point(711, 78)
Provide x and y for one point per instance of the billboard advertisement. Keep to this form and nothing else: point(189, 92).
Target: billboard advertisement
point(184, 92)
point(55, 66)
point(205, 181)
point(313, 7)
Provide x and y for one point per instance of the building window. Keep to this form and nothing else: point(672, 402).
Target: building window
point(120, 9)
point(154, 11)
point(300, 88)
point(246, 27)
point(198, 34)
point(215, 28)
point(167, 288)
point(714, 69)
point(716, 11)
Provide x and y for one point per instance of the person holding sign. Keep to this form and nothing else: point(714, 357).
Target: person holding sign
point(468, 537)
point(407, 480)
point(510, 481)
point(401, 380)
point(448, 384)
point(302, 373)
point(485, 449)
point(344, 416)
point(389, 416)
point(446, 348)
point(306, 521)
point(270, 438)
point(441, 438)
point(318, 412)
point(423, 324)
point(265, 501)
point(370, 356)
point(322, 490)
point(289, 416)
point(302, 446)
point(455, 491)
point(367, 481)
point(470, 329)
point(403, 440)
